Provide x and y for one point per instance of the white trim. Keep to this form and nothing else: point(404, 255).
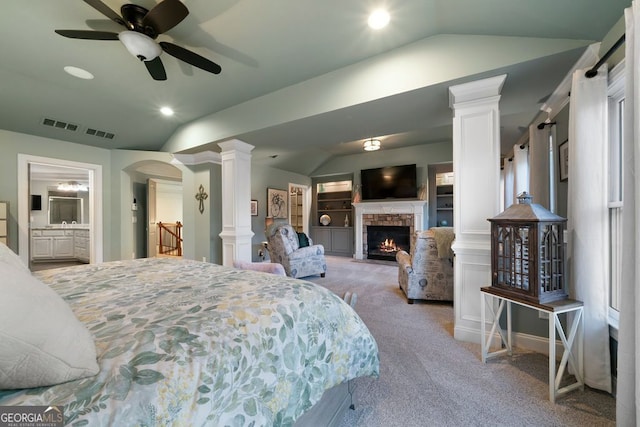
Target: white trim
point(415, 207)
point(95, 201)
point(616, 93)
point(197, 158)
point(306, 203)
point(560, 97)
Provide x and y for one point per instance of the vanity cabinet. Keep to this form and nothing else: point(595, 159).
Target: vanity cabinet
point(63, 245)
point(41, 246)
point(48, 244)
point(81, 245)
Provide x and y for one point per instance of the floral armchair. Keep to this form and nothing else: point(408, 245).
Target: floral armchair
point(284, 248)
point(427, 274)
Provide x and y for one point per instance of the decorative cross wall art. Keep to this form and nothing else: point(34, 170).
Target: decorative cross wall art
point(201, 196)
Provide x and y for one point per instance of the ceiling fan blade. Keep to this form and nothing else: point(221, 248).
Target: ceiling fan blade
point(88, 35)
point(156, 69)
point(165, 15)
point(106, 11)
point(190, 57)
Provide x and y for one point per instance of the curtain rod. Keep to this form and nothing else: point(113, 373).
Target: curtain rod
point(594, 71)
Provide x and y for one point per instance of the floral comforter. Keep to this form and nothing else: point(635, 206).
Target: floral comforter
point(183, 342)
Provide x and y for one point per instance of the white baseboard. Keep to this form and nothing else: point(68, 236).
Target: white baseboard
point(520, 341)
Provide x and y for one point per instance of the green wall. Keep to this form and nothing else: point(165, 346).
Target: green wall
point(13, 143)
point(422, 155)
point(263, 177)
point(119, 176)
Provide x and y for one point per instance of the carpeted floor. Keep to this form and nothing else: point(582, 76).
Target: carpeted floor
point(429, 379)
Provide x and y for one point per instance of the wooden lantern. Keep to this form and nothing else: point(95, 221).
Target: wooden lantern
point(527, 252)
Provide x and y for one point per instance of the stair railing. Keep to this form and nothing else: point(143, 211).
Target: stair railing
point(170, 240)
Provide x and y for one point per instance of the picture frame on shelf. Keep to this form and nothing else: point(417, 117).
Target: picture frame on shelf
point(254, 208)
point(277, 203)
point(563, 161)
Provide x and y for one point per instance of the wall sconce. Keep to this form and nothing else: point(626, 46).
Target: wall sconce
point(371, 145)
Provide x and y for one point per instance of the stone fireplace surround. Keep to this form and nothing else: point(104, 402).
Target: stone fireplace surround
point(397, 212)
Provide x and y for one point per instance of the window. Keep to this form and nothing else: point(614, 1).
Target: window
point(552, 174)
point(615, 203)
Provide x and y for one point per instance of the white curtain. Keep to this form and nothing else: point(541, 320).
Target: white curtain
point(501, 190)
point(628, 396)
point(520, 171)
point(588, 219)
point(539, 165)
point(508, 183)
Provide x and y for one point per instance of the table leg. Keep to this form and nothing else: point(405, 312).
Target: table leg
point(552, 357)
point(509, 343)
point(483, 336)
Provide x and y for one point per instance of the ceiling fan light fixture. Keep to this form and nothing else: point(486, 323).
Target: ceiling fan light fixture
point(140, 45)
point(371, 145)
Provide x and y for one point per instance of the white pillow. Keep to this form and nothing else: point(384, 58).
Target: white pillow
point(9, 257)
point(41, 341)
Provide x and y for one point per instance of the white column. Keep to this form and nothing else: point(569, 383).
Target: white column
point(236, 201)
point(476, 165)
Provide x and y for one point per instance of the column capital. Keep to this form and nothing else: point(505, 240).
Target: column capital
point(476, 90)
point(235, 145)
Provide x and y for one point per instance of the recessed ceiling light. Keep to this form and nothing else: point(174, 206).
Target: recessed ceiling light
point(78, 72)
point(378, 19)
point(166, 111)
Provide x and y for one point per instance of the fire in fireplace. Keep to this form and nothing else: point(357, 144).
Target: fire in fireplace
point(384, 241)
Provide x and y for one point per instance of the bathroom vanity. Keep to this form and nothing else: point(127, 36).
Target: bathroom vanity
point(69, 242)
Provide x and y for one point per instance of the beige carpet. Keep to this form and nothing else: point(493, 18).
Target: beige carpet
point(429, 379)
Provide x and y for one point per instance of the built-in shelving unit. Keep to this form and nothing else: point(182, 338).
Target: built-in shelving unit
point(333, 199)
point(441, 181)
point(295, 213)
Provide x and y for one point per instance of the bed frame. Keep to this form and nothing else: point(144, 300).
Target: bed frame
point(330, 410)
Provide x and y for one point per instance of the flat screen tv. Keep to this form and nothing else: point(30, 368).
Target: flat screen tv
point(391, 182)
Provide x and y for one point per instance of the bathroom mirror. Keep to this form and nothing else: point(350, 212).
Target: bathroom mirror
point(66, 210)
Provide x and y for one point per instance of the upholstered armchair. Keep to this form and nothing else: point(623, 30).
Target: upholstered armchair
point(427, 274)
point(298, 260)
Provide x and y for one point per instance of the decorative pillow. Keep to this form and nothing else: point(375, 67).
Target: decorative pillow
point(41, 341)
point(303, 240)
point(9, 257)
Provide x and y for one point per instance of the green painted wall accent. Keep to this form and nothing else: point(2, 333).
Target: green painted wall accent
point(13, 143)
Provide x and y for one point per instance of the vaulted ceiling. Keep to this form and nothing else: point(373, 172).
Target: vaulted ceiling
point(300, 79)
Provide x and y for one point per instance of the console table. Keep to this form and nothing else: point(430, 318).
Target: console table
point(573, 348)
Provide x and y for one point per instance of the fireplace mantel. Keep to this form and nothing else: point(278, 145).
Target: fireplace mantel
point(387, 207)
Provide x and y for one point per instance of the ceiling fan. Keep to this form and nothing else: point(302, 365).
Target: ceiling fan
point(142, 28)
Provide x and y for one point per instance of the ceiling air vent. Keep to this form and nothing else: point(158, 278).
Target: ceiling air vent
point(59, 124)
point(100, 133)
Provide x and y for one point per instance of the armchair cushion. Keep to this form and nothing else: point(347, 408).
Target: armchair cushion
point(303, 240)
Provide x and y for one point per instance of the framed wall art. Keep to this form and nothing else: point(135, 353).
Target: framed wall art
point(277, 206)
point(254, 208)
point(563, 161)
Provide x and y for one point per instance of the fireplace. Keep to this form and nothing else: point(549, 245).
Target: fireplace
point(406, 213)
point(384, 241)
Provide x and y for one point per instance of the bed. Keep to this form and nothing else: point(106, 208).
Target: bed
point(182, 342)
